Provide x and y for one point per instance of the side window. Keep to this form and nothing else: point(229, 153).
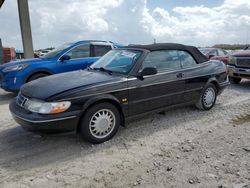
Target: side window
point(213, 52)
point(81, 51)
point(162, 60)
point(100, 50)
point(186, 59)
point(222, 52)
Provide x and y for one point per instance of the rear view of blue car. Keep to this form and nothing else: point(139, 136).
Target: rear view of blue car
point(68, 57)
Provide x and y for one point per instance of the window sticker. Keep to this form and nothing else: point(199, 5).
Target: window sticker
point(128, 54)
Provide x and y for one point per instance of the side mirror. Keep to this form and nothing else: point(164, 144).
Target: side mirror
point(65, 58)
point(147, 71)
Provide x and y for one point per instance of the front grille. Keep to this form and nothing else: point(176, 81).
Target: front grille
point(243, 62)
point(242, 75)
point(21, 100)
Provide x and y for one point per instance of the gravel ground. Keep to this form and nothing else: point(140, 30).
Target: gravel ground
point(184, 147)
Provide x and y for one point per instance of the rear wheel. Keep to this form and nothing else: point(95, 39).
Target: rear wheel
point(234, 80)
point(36, 76)
point(207, 98)
point(100, 123)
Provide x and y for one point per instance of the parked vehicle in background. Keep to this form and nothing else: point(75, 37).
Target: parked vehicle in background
point(216, 54)
point(239, 66)
point(68, 57)
point(42, 53)
point(125, 83)
point(19, 54)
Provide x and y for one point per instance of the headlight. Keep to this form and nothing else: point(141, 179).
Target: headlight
point(232, 60)
point(47, 108)
point(15, 68)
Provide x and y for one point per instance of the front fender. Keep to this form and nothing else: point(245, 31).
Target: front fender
point(104, 98)
point(98, 98)
point(37, 71)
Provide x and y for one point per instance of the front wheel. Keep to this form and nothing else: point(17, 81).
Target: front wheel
point(100, 123)
point(207, 98)
point(234, 80)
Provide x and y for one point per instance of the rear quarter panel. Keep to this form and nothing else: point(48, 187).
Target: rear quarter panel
point(197, 77)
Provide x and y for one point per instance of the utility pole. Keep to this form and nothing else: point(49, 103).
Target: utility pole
point(23, 9)
point(1, 3)
point(1, 46)
point(1, 52)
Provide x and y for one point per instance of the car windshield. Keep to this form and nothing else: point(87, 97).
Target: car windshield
point(205, 51)
point(119, 61)
point(57, 51)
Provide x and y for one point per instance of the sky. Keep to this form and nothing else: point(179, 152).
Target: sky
point(192, 22)
point(171, 4)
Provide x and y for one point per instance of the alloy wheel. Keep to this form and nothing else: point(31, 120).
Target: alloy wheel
point(209, 97)
point(102, 123)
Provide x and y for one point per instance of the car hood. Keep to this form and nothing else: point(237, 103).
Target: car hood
point(243, 53)
point(27, 61)
point(46, 87)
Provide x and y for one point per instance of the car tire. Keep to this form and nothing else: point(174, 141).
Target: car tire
point(234, 80)
point(208, 97)
point(100, 123)
point(36, 76)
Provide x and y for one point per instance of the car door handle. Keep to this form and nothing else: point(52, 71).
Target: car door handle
point(179, 75)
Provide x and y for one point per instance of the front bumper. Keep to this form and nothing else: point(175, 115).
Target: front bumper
point(63, 122)
point(11, 81)
point(238, 72)
point(10, 84)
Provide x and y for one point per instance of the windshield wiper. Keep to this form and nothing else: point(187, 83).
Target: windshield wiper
point(89, 68)
point(103, 70)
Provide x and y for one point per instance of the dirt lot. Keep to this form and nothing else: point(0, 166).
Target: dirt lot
point(183, 148)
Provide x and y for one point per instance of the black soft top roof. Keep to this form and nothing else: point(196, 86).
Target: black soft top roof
point(200, 58)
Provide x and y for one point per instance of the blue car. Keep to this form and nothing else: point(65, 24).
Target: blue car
point(68, 57)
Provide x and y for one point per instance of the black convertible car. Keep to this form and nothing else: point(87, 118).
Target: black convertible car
point(123, 84)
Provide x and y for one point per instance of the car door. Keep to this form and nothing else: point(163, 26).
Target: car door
point(160, 90)
point(195, 75)
point(80, 58)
